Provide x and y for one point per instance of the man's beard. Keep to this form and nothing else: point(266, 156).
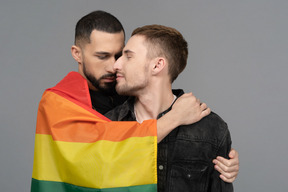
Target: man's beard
point(126, 90)
point(131, 90)
point(107, 88)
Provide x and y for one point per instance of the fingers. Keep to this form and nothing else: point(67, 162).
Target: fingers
point(231, 180)
point(227, 163)
point(190, 108)
point(228, 168)
point(234, 154)
point(227, 174)
point(205, 110)
point(203, 106)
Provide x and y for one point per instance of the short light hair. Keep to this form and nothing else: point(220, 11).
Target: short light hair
point(163, 41)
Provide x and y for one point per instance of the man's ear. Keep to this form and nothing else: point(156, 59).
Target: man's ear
point(159, 64)
point(76, 53)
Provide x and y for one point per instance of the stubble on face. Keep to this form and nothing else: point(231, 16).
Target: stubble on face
point(105, 87)
point(133, 82)
point(129, 90)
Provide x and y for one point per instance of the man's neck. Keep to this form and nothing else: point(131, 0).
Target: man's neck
point(153, 101)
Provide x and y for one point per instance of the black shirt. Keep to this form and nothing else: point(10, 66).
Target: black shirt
point(103, 103)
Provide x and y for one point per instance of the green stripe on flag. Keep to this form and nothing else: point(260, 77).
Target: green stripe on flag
point(52, 186)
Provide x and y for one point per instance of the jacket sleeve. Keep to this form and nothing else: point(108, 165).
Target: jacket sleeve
point(217, 184)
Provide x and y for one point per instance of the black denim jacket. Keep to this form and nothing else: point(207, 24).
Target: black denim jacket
point(185, 155)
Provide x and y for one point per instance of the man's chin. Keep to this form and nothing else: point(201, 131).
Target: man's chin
point(122, 91)
point(108, 88)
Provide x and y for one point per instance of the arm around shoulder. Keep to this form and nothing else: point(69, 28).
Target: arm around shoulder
point(186, 110)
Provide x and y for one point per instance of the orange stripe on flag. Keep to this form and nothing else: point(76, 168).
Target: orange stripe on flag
point(67, 121)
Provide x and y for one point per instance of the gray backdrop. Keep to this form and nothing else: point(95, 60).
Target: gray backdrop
point(237, 65)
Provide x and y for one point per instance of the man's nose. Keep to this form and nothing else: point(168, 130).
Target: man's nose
point(110, 66)
point(118, 64)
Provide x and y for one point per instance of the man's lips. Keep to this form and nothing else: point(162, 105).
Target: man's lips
point(109, 79)
point(119, 76)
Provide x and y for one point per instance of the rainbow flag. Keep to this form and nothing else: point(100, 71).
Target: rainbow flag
point(79, 150)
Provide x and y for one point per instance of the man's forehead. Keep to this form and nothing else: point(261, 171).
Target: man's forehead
point(106, 42)
point(135, 44)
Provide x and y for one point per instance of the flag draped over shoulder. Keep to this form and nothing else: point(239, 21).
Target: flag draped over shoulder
point(79, 150)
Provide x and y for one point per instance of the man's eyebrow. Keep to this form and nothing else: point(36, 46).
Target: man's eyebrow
point(102, 53)
point(128, 51)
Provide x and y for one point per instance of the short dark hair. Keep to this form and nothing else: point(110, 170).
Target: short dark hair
point(167, 42)
point(99, 20)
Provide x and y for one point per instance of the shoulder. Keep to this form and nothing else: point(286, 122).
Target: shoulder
point(210, 128)
point(213, 125)
point(213, 121)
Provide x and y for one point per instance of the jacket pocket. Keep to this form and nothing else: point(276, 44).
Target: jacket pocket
point(189, 176)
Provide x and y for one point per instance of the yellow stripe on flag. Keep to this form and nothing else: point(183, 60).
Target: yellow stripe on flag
point(107, 163)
